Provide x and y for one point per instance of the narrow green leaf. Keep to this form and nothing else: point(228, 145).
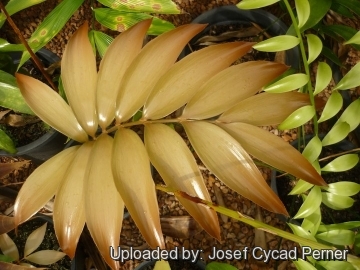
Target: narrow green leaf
point(276, 44)
point(340, 226)
point(313, 149)
point(303, 11)
point(298, 118)
point(337, 133)
point(219, 266)
point(350, 80)
point(354, 40)
point(300, 187)
point(335, 31)
point(303, 265)
point(121, 21)
point(312, 222)
point(332, 106)
point(50, 26)
point(351, 115)
point(148, 6)
point(353, 5)
point(337, 237)
point(252, 4)
point(317, 12)
point(6, 143)
point(336, 265)
point(102, 42)
point(92, 41)
point(336, 202)
point(314, 47)
point(288, 83)
point(301, 232)
point(357, 244)
point(344, 188)
point(323, 77)
point(311, 203)
point(329, 54)
point(10, 96)
point(7, 47)
point(342, 163)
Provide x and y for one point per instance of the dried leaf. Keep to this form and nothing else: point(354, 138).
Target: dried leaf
point(10, 266)
point(46, 178)
point(79, 77)
point(3, 113)
point(69, 221)
point(177, 166)
point(6, 168)
point(152, 62)
point(247, 32)
point(16, 120)
point(45, 257)
point(179, 226)
point(231, 164)
point(273, 150)
point(34, 240)
point(177, 86)
point(259, 110)
point(48, 105)
point(132, 175)
point(117, 59)
point(8, 247)
point(229, 87)
point(104, 207)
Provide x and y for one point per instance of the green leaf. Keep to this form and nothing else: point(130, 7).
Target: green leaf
point(354, 40)
point(337, 237)
point(311, 203)
point(336, 202)
point(50, 26)
point(301, 232)
point(357, 244)
point(317, 12)
point(10, 96)
point(288, 83)
point(278, 43)
point(303, 11)
point(219, 266)
point(340, 226)
point(342, 31)
point(314, 47)
point(303, 265)
point(323, 77)
point(4, 258)
point(341, 10)
point(147, 6)
point(344, 188)
point(7, 47)
point(351, 115)
point(298, 117)
point(329, 54)
point(312, 222)
point(102, 42)
point(353, 5)
point(121, 21)
point(6, 143)
point(342, 163)
point(332, 106)
point(337, 133)
point(336, 265)
point(300, 187)
point(252, 4)
point(350, 80)
point(313, 149)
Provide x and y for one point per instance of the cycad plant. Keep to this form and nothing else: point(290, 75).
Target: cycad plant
point(93, 181)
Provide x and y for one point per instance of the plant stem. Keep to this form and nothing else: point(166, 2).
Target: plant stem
point(304, 59)
point(23, 41)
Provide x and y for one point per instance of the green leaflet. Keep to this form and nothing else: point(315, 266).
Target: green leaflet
point(102, 41)
point(337, 133)
point(50, 26)
point(354, 40)
point(313, 149)
point(121, 21)
point(343, 188)
point(317, 12)
point(278, 43)
point(301, 232)
point(312, 222)
point(6, 143)
point(323, 77)
point(303, 265)
point(311, 203)
point(342, 163)
point(332, 106)
point(350, 80)
point(300, 187)
point(349, 225)
point(303, 11)
point(7, 47)
point(252, 4)
point(314, 47)
point(337, 237)
point(351, 115)
point(336, 31)
point(219, 266)
point(329, 54)
point(336, 202)
point(298, 117)
point(10, 96)
point(147, 6)
point(288, 83)
point(335, 265)
point(353, 5)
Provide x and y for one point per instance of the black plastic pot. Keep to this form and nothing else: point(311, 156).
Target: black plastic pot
point(52, 142)
point(227, 15)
